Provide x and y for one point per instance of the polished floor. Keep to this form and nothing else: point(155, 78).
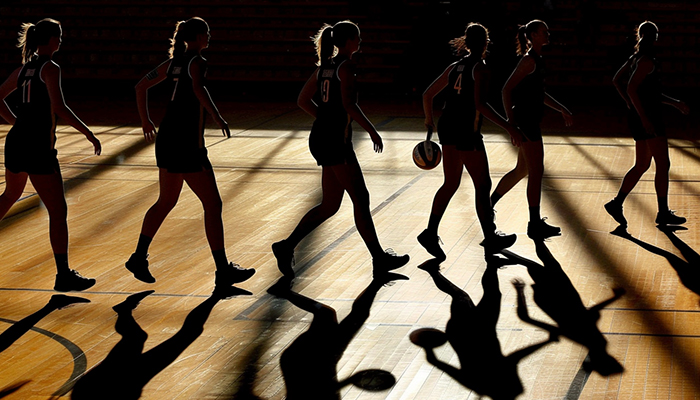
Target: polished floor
point(268, 180)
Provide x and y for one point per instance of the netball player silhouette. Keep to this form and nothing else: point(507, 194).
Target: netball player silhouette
point(639, 83)
point(330, 96)
point(180, 151)
point(465, 86)
point(30, 145)
point(524, 98)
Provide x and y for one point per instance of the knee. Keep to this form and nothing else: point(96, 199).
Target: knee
point(450, 185)
point(641, 167)
point(361, 197)
point(165, 204)
point(521, 171)
point(58, 209)
point(11, 194)
point(328, 208)
point(213, 206)
point(663, 165)
point(535, 170)
point(483, 185)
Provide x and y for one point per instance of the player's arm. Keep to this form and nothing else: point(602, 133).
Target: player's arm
point(6, 88)
point(678, 104)
point(525, 67)
point(620, 84)
point(348, 90)
point(305, 100)
point(197, 68)
point(552, 103)
point(443, 366)
point(429, 95)
point(644, 68)
point(482, 76)
point(518, 355)
point(51, 74)
point(151, 79)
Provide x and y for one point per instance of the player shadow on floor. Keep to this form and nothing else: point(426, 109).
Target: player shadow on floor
point(309, 364)
point(558, 298)
point(126, 369)
point(8, 390)
point(19, 328)
point(471, 331)
point(688, 270)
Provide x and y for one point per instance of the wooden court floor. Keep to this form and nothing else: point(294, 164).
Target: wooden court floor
point(268, 180)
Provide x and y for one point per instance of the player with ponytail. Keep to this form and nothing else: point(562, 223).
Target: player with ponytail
point(524, 98)
point(181, 154)
point(638, 82)
point(30, 145)
point(330, 97)
point(465, 86)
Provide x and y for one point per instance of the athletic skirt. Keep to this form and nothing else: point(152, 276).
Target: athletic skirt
point(452, 130)
point(329, 143)
point(637, 128)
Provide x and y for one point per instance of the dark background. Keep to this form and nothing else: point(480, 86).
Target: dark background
point(261, 50)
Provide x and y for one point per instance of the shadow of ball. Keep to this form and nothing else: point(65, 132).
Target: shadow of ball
point(374, 380)
point(428, 337)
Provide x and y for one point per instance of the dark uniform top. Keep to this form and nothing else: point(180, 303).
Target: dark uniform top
point(330, 141)
point(29, 146)
point(528, 100)
point(460, 123)
point(649, 92)
point(180, 140)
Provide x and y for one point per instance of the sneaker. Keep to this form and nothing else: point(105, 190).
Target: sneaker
point(538, 230)
point(615, 210)
point(233, 274)
point(72, 280)
point(61, 301)
point(132, 301)
point(498, 241)
point(139, 267)
point(226, 292)
point(669, 217)
point(387, 261)
point(431, 243)
point(285, 258)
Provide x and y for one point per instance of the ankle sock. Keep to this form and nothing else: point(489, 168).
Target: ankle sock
point(142, 246)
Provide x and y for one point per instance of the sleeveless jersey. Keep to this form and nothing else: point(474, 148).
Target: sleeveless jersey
point(528, 96)
point(35, 128)
point(329, 98)
point(29, 146)
point(180, 140)
point(460, 109)
point(331, 134)
point(650, 89)
point(184, 116)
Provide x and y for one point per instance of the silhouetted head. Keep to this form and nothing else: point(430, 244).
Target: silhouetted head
point(647, 32)
point(534, 32)
point(474, 41)
point(188, 32)
point(40, 34)
point(330, 38)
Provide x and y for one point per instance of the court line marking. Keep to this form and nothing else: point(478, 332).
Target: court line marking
point(78, 355)
point(243, 315)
